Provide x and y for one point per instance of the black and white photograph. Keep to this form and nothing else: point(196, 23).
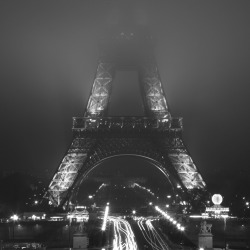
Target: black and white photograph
point(125, 125)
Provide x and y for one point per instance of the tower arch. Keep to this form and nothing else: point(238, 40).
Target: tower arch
point(123, 169)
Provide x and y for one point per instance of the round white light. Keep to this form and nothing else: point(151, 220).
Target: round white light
point(15, 217)
point(217, 199)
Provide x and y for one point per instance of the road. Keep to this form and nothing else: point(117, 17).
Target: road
point(136, 235)
point(153, 240)
point(124, 238)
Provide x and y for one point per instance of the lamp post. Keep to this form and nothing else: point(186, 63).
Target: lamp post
point(69, 231)
point(14, 219)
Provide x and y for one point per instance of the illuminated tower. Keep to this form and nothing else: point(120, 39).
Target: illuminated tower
point(156, 136)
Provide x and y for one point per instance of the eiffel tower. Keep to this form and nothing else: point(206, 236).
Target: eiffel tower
point(157, 136)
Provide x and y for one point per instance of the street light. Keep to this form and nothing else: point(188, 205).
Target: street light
point(105, 217)
point(14, 219)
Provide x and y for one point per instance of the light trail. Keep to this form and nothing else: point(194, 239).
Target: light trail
point(150, 234)
point(105, 218)
point(124, 238)
point(168, 217)
point(144, 188)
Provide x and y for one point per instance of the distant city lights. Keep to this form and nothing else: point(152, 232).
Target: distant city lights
point(168, 217)
point(217, 210)
point(79, 214)
point(144, 188)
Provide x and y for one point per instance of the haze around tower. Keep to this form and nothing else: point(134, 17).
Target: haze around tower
point(48, 61)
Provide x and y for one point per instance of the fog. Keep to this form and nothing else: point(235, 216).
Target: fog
point(49, 53)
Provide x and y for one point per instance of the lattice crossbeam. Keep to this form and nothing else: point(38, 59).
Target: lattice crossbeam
point(187, 170)
point(153, 91)
point(65, 176)
point(68, 169)
point(101, 89)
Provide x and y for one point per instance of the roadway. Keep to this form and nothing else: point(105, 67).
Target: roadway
point(124, 238)
point(136, 234)
point(153, 238)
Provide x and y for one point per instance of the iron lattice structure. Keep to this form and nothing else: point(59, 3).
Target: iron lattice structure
point(157, 136)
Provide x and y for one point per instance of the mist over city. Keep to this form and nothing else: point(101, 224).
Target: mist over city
point(125, 112)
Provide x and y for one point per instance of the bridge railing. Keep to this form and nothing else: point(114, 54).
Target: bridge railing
point(126, 123)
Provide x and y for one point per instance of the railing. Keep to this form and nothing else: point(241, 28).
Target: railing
point(126, 123)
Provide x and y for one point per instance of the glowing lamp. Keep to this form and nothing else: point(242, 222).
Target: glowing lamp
point(105, 218)
point(217, 199)
point(14, 217)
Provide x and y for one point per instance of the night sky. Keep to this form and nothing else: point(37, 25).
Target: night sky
point(48, 58)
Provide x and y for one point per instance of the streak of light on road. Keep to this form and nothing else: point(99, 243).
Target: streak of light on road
point(124, 238)
point(105, 217)
point(150, 234)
